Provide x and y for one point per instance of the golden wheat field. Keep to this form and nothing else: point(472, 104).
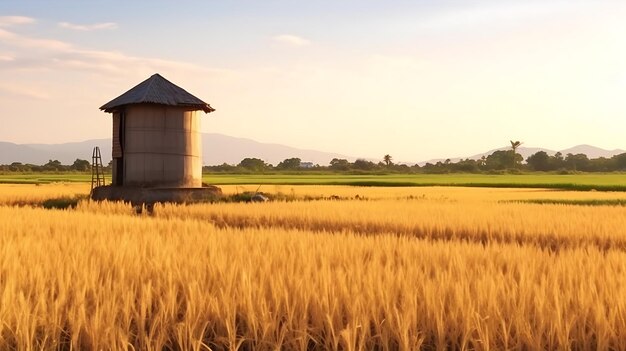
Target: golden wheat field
point(354, 269)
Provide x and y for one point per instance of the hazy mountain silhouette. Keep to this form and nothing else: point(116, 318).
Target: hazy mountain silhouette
point(216, 149)
point(219, 148)
point(592, 151)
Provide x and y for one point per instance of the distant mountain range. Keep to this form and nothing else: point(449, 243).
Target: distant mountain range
point(219, 148)
point(589, 150)
point(216, 149)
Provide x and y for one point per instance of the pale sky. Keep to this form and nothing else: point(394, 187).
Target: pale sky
point(414, 79)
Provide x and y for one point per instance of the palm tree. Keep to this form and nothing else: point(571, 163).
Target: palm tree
point(387, 158)
point(514, 146)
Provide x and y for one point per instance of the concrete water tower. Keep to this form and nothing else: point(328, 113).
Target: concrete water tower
point(156, 142)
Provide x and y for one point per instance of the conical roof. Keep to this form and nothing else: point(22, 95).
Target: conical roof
point(157, 90)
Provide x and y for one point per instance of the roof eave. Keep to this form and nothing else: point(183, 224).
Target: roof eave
point(206, 107)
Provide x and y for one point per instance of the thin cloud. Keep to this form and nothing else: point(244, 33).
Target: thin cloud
point(40, 54)
point(496, 13)
point(88, 27)
point(6, 57)
point(20, 41)
point(9, 21)
point(292, 40)
point(17, 91)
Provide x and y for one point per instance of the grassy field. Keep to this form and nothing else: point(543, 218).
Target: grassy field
point(44, 178)
point(606, 182)
point(615, 182)
point(360, 268)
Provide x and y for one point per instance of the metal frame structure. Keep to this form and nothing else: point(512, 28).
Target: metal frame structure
point(97, 171)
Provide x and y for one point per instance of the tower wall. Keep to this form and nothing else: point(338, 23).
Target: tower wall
point(162, 147)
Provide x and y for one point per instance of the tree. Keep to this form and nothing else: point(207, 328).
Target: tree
point(80, 165)
point(52, 166)
point(467, 166)
point(16, 166)
point(514, 146)
point(290, 163)
point(502, 159)
point(253, 164)
point(603, 164)
point(539, 161)
point(557, 161)
point(619, 162)
point(578, 162)
point(364, 165)
point(339, 164)
point(224, 167)
point(387, 159)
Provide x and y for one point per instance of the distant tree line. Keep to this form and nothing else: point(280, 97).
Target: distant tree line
point(501, 161)
point(52, 166)
point(509, 161)
point(255, 165)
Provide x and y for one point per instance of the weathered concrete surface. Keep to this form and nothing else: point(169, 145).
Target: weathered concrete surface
point(139, 196)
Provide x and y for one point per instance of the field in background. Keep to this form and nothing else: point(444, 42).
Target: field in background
point(616, 182)
point(356, 269)
point(45, 178)
point(588, 181)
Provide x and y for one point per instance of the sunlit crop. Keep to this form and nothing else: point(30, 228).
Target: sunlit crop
point(29, 194)
point(430, 268)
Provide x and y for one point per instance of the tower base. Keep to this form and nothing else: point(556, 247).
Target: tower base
point(150, 196)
